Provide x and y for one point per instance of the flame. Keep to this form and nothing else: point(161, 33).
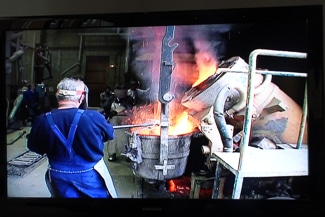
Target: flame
point(172, 186)
point(180, 122)
point(207, 66)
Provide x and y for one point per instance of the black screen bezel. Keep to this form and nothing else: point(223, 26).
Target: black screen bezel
point(311, 13)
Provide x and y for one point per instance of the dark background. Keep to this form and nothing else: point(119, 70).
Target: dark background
point(43, 207)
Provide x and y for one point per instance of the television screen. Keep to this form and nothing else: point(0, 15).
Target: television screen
point(210, 108)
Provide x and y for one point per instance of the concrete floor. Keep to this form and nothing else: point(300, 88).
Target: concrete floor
point(33, 185)
point(127, 184)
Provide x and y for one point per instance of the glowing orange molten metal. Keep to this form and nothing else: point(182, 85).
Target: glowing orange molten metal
point(180, 122)
point(172, 186)
point(207, 66)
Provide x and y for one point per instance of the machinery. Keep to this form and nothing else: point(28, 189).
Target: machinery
point(216, 107)
point(219, 103)
point(276, 122)
point(160, 156)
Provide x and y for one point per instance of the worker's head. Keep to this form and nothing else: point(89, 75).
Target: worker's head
point(134, 84)
point(71, 89)
point(108, 90)
point(31, 86)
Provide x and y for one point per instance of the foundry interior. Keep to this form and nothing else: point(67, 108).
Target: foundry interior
point(220, 112)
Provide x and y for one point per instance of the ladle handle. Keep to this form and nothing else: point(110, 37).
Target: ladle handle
point(133, 125)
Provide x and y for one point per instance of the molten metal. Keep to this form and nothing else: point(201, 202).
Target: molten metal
point(181, 122)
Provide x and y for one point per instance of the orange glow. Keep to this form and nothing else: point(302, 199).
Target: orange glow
point(182, 125)
point(172, 186)
point(180, 122)
point(207, 66)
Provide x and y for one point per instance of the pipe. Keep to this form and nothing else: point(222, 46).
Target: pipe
point(251, 91)
point(218, 111)
point(69, 68)
point(266, 82)
point(79, 58)
point(133, 125)
point(127, 51)
point(16, 104)
point(241, 102)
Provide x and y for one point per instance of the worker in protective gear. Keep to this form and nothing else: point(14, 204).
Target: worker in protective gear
point(73, 140)
point(31, 100)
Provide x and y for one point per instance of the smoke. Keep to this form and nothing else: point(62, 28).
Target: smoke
point(199, 47)
point(146, 56)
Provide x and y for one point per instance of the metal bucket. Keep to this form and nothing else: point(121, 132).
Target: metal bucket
point(148, 164)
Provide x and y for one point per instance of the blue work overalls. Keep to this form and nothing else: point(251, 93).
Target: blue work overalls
point(85, 183)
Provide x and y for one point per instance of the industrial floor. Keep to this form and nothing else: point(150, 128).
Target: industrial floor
point(127, 184)
point(33, 184)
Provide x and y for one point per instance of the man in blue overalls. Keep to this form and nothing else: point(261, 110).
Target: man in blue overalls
point(73, 140)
